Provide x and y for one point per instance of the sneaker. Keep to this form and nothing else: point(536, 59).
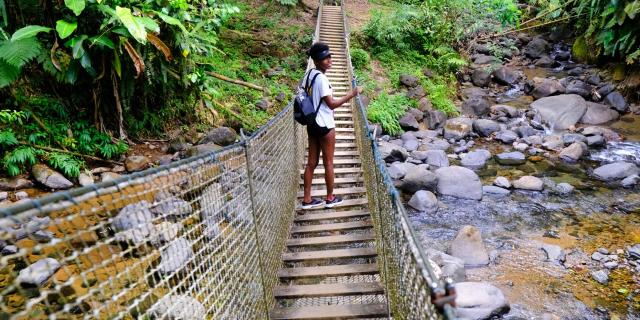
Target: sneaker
point(313, 204)
point(330, 204)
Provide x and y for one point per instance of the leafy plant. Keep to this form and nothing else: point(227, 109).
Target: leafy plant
point(360, 59)
point(387, 110)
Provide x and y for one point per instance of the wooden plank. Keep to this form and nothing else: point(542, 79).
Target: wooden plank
point(345, 203)
point(329, 254)
point(334, 312)
point(328, 271)
point(331, 215)
point(342, 161)
point(324, 227)
point(337, 170)
point(330, 240)
point(337, 181)
point(327, 290)
point(342, 191)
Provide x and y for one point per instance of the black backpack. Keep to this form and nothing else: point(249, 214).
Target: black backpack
point(304, 110)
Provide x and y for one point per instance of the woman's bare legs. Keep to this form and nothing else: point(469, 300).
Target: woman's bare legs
point(328, 146)
point(312, 163)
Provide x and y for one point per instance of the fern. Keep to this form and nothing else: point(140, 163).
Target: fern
point(387, 110)
point(69, 165)
point(8, 74)
point(18, 53)
point(7, 138)
point(288, 2)
point(18, 159)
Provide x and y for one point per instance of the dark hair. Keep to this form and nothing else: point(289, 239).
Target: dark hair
point(317, 49)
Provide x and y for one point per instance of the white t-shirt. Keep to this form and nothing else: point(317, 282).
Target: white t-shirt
point(321, 88)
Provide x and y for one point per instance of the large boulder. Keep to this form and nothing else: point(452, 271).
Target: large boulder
point(424, 201)
point(560, 112)
point(475, 106)
point(536, 48)
point(222, 136)
point(505, 76)
point(615, 171)
point(479, 300)
point(543, 87)
point(476, 159)
point(485, 127)
point(391, 152)
point(458, 128)
point(459, 182)
point(598, 114)
point(617, 101)
point(418, 178)
point(50, 178)
point(38, 273)
point(469, 247)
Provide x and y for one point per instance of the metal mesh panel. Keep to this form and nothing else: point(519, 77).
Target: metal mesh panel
point(200, 238)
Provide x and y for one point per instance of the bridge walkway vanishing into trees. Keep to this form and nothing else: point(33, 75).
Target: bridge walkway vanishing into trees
point(218, 236)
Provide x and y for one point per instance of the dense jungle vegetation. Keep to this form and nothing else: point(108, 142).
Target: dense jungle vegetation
point(83, 79)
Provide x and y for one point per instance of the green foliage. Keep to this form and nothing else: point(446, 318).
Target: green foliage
point(288, 2)
point(360, 59)
point(387, 110)
point(69, 165)
point(441, 92)
point(19, 160)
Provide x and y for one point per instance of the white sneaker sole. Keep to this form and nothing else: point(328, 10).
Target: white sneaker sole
point(329, 206)
point(312, 206)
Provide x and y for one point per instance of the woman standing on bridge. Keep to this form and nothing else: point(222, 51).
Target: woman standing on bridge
point(322, 133)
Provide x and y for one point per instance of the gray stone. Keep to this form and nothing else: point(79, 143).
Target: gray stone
point(4, 195)
point(598, 256)
point(596, 141)
point(496, 191)
point(204, 148)
point(479, 300)
point(132, 216)
point(480, 77)
point(574, 152)
point(553, 142)
point(634, 252)
point(476, 159)
point(407, 136)
point(505, 76)
point(578, 87)
point(484, 59)
point(594, 80)
point(20, 195)
point(437, 158)
point(603, 250)
point(601, 276)
point(416, 93)
point(418, 178)
point(598, 114)
point(457, 128)
point(611, 265)
point(391, 152)
point(546, 87)
point(419, 155)
point(511, 158)
point(529, 183)
point(38, 273)
point(408, 122)
point(630, 181)
point(533, 140)
point(397, 170)
point(469, 247)
point(617, 101)
point(504, 110)
point(85, 179)
point(520, 146)
point(263, 104)
point(178, 307)
point(222, 136)
point(437, 144)
point(502, 182)
point(411, 145)
point(485, 127)
point(459, 182)
point(10, 249)
point(108, 176)
point(526, 131)
point(426, 134)
point(175, 256)
point(554, 253)
point(475, 106)
point(178, 144)
point(7, 184)
point(424, 201)
point(409, 80)
point(569, 138)
point(172, 208)
point(164, 232)
point(560, 112)
point(615, 171)
point(435, 119)
point(451, 266)
point(50, 178)
point(507, 136)
point(545, 62)
point(605, 89)
point(564, 188)
point(136, 163)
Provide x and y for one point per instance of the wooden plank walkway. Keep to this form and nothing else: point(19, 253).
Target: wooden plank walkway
point(330, 270)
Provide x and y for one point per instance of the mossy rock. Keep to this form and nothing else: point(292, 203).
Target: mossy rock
point(583, 53)
point(619, 72)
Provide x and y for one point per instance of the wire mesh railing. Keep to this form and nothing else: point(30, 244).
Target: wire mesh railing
point(200, 238)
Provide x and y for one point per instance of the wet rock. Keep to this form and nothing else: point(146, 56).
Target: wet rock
point(408, 80)
point(485, 127)
point(594, 80)
point(457, 128)
point(569, 138)
point(536, 48)
point(577, 71)
point(172, 208)
point(617, 101)
point(507, 136)
point(502, 182)
point(424, 201)
point(437, 158)
point(560, 112)
point(418, 178)
point(38, 273)
point(484, 59)
point(479, 300)
point(564, 188)
point(475, 106)
point(608, 134)
point(10, 249)
point(574, 152)
point(495, 191)
point(469, 247)
point(50, 178)
point(178, 307)
point(529, 183)
point(546, 62)
point(435, 119)
point(553, 142)
point(85, 179)
point(598, 114)
point(505, 76)
point(634, 252)
point(630, 181)
point(459, 182)
point(108, 176)
point(604, 90)
point(476, 160)
point(136, 163)
point(397, 170)
point(391, 152)
point(504, 110)
point(480, 78)
point(526, 131)
point(578, 87)
point(409, 122)
point(14, 184)
point(175, 256)
point(601, 276)
point(546, 87)
point(554, 253)
point(615, 171)
point(511, 158)
point(222, 136)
